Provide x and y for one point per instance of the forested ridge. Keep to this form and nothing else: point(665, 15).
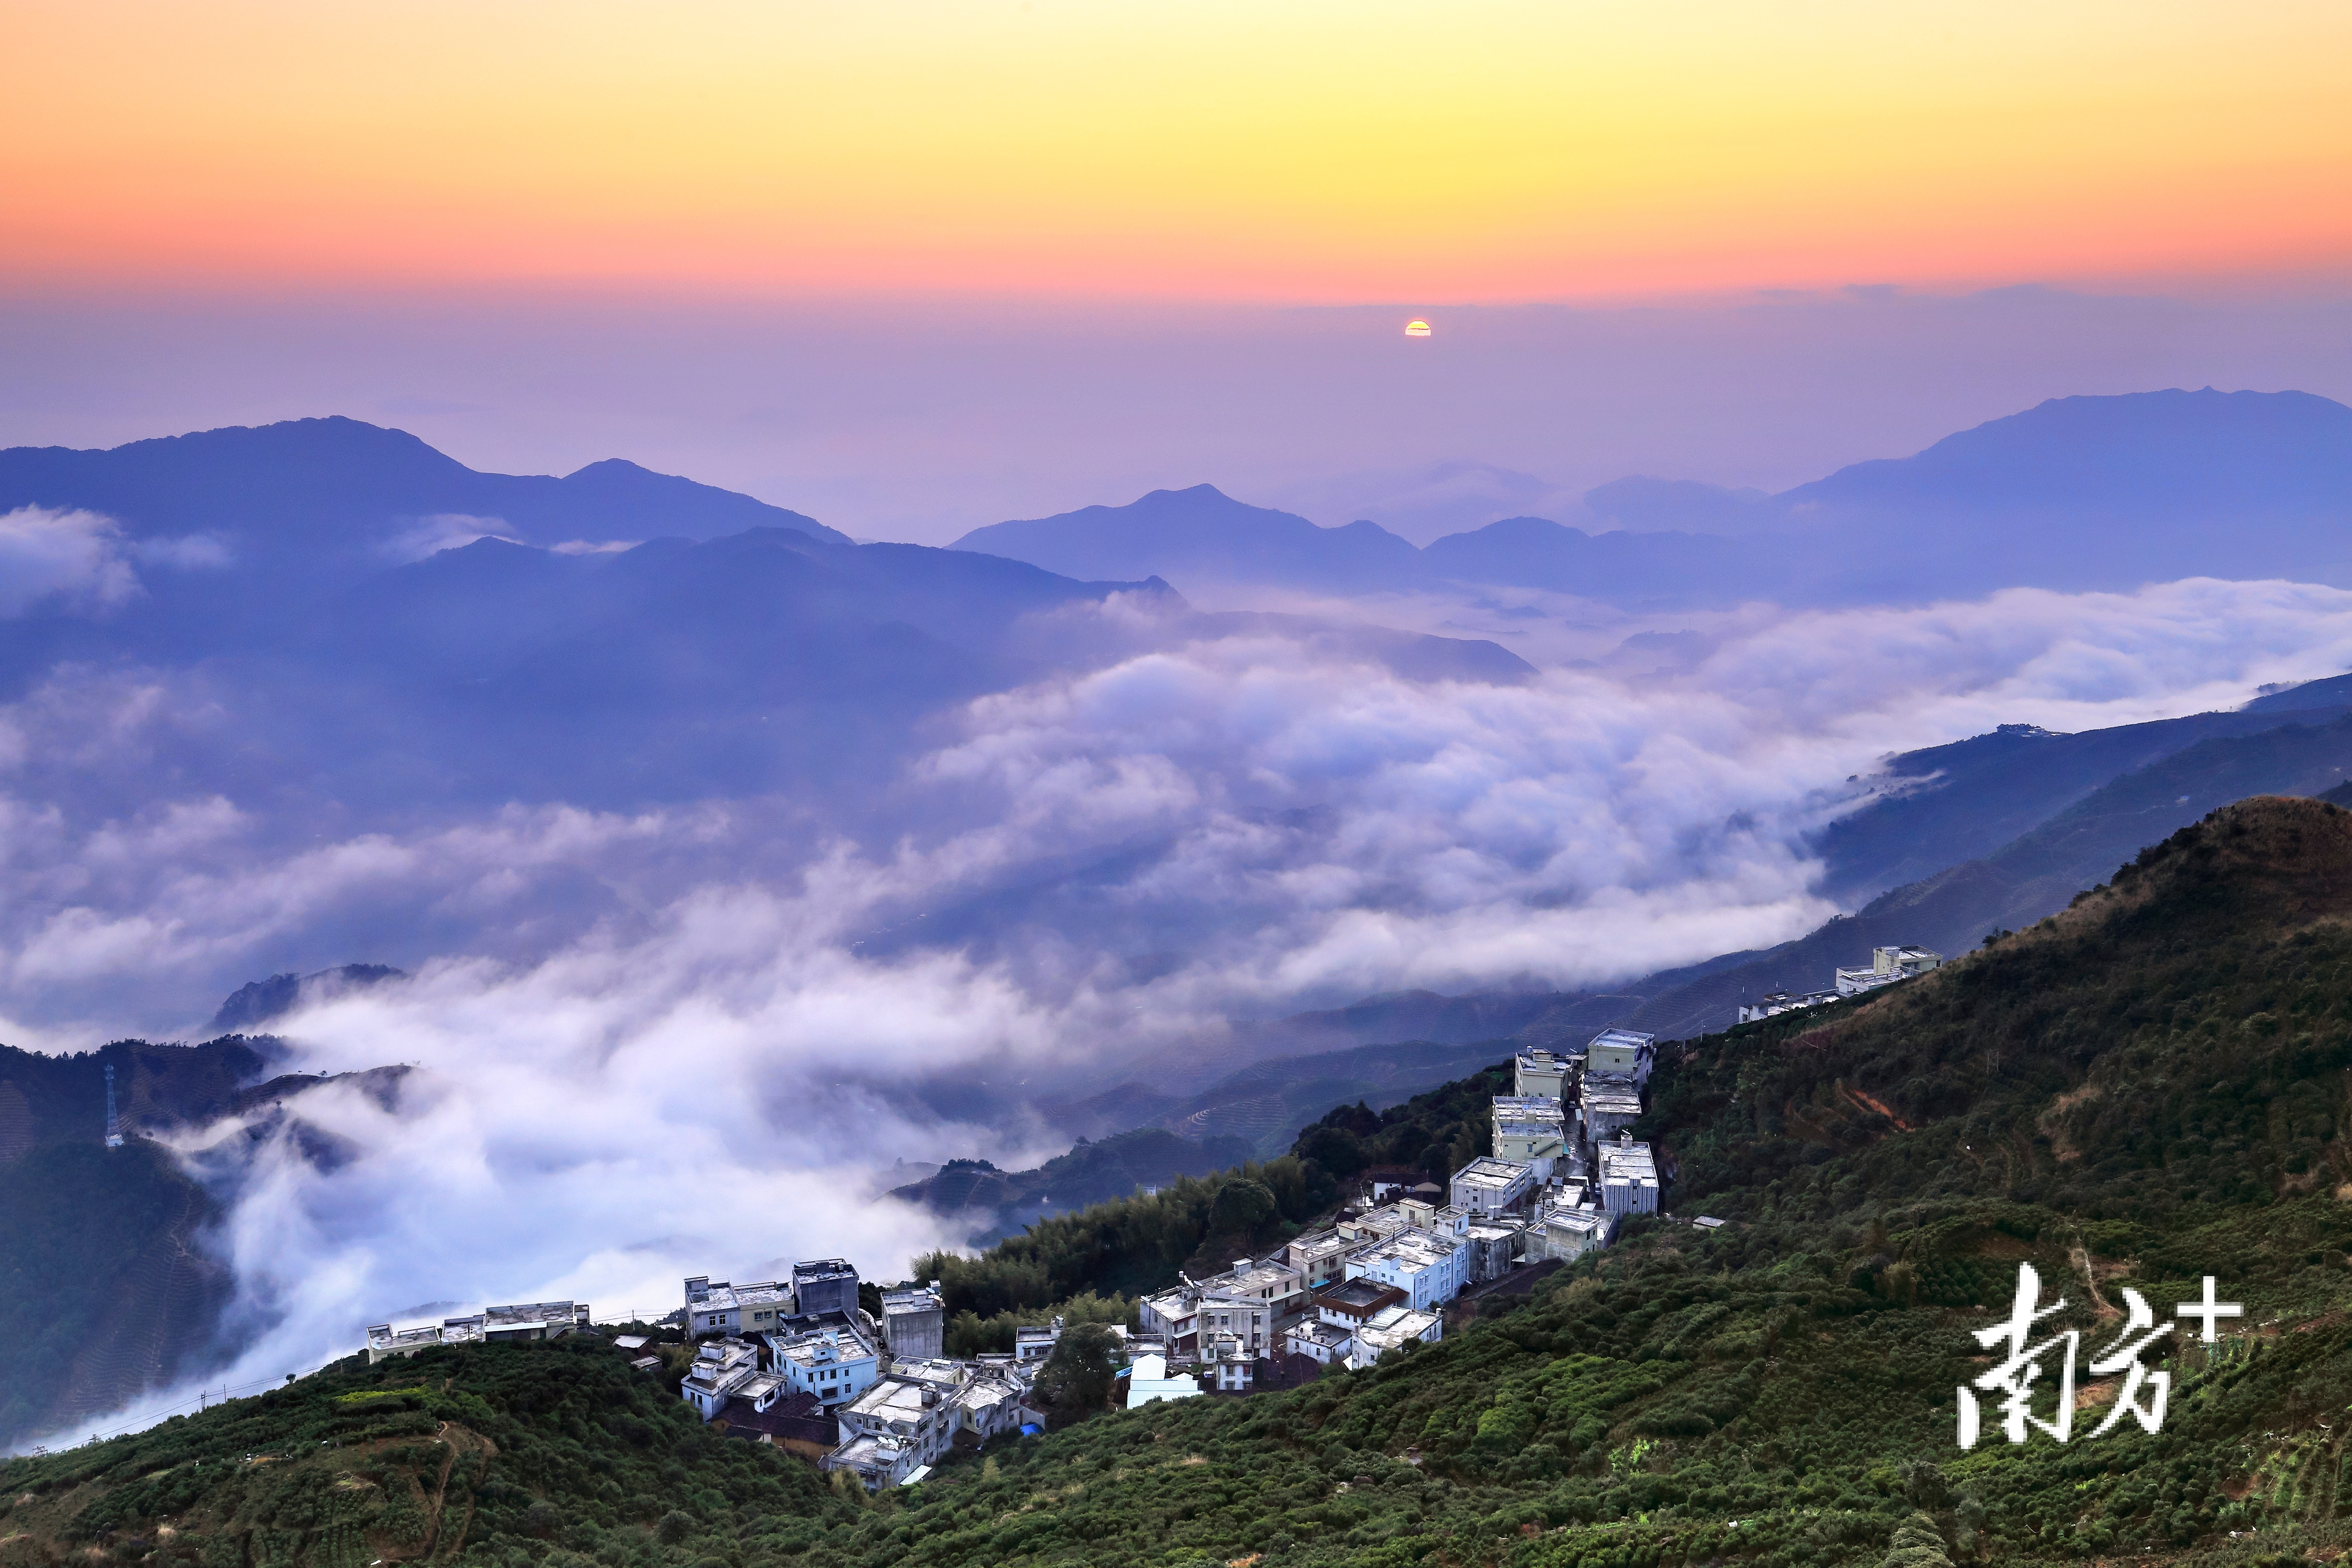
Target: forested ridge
point(2147, 1088)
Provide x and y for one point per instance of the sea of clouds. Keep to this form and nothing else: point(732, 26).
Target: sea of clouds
point(694, 1038)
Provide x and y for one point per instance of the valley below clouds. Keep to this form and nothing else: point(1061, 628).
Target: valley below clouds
point(743, 1008)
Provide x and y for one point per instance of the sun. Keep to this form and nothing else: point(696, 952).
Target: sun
point(1416, 329)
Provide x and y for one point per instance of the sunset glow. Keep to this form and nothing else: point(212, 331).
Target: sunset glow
point(1212, 151)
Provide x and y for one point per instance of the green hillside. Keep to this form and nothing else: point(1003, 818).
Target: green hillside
point(2149, 1088)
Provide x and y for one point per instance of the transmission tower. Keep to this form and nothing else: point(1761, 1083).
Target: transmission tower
point(113, 1124)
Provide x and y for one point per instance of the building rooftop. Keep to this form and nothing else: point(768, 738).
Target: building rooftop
point(1633, 1038)
point(939, 1372)
point(1375, 1223)
point(1360, 1298)
point(1624, 1160)
point(1395, 1325)
point(869, 1451)
point(818, 1270)
point(1265, 1281)
point(916, 1299)
point(1611, 1092)
point(822, 1347)
point(1413, 1249)
point(1331, 1336)
point(1582, 1220)
point(895, 1402)
point(1487, 1172)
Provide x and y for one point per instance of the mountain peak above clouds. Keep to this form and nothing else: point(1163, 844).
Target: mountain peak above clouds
point(336, 485)
point(2165, 454)
point(2075, 493)
point(1201, 535)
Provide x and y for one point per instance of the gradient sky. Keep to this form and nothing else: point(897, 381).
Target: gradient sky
point(1306, 152)
point(913, 267)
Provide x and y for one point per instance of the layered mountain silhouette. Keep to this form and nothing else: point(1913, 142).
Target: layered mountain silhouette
point(736, 649)
point(335, 486)
point(2077, 493)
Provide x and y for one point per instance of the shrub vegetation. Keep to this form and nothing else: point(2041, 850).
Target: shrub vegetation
point(2147, 1089)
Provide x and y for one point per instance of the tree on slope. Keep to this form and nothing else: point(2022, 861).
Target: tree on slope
point(1075, 1381)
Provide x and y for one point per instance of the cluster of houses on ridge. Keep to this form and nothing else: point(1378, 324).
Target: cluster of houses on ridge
point(1564, 1171)
point(1887, 965)
point(800, 1363)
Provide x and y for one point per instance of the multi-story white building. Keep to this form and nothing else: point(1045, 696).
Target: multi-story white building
point(1319, 1340)
point(1421, 1214)
point(1530, 1130)
point(1772, 1004)
point(1628, 1177)
point(1248, 1300)
point(1232, 1366)
point(725, 1370)
point(1247, 1318)
point(1393, 1328)
point(1374, 1224)
point(915, 1321)
point(1318, 1256)
point(1495, 1247)
point(835, 1363)
point(1609, 1104)
point(722, 1308)
point(1148, 1379)
point(1487, 1188)
point(492, 1325)
point(1626, 1053)
point(826, 1285)
point(1568, 1231)
point(1541, 1073)
point(1274, 1282)
point(1033, 1344)
point(1428, 1267)
point(895, 1431)
point(1353, 1302)
point(1887, 965)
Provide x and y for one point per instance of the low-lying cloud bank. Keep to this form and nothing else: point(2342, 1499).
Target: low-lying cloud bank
point(688, 1039)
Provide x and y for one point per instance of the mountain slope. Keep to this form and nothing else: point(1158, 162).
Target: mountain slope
point(105, 1291)
point(2132, 458)
point(2144, 1092)
point(2026, 879)
point(1944, 805)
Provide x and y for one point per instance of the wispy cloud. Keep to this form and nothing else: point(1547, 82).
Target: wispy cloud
point(658, 1042)
point(72, 558)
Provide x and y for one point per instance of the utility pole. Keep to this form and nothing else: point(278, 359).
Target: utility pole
point(113, 1125)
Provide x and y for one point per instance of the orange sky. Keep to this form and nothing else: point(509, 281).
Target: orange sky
point(1301, 150)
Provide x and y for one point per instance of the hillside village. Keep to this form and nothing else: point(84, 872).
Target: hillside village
point(798, 1363)
point(1777, 1391)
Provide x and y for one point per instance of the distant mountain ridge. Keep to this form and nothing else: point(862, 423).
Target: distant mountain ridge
point(334, 483)
point(1215, 537)
point(2075, 493)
